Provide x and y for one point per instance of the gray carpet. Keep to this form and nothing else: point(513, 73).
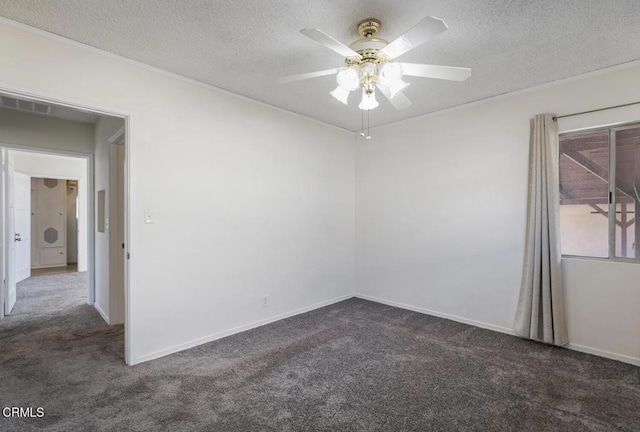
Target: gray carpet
point(353, 366)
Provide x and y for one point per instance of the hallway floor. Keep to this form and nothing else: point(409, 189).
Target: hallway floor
point(50, 347)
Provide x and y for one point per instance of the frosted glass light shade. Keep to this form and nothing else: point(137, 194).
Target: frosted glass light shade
point(390, 73)
point(368, 69)
point(348, 78)
point(341, 94)
point(369, 101)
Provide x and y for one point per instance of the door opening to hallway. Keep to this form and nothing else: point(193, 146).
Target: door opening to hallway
point(62, 170)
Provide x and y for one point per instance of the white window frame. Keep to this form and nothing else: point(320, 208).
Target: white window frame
point(612, 195)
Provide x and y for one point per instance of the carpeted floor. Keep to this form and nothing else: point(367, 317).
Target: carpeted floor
point(352, 366)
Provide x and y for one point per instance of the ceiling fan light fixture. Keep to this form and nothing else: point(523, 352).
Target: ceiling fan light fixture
point(369, 101)
point(341, 94)
point(348, 78)
point(368, 69)
point(397, 87)
point(390, 74)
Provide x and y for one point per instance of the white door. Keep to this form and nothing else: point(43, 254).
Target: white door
point(51, 222)
point(10, 261)
point(22, 212)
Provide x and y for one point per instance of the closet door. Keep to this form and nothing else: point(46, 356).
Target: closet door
point(51, 222)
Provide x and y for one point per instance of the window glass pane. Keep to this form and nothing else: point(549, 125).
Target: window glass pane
point(584, 193)
point(627, 195)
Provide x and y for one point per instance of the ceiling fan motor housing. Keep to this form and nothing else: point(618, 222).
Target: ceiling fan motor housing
point(368, 47)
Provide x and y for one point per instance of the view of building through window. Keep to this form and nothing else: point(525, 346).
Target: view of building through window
point(587, 161)
point(627, 197)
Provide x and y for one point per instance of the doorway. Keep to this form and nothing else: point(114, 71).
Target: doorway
point(56, 246)
point(46, 202)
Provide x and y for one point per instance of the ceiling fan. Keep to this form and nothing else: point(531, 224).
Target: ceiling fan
point(370, 63)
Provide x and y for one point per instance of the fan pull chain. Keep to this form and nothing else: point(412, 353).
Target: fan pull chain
point(362, 128)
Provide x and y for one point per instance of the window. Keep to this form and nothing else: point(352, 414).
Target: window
point(599, 198)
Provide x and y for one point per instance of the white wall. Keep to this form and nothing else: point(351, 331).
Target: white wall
point(440, 215)
point(247, 200)
point(61, 167)
point(36, 130)
point(105, 129)
point(603, 307)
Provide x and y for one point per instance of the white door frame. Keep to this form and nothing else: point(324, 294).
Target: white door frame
point(91, 287)
point(52, 98)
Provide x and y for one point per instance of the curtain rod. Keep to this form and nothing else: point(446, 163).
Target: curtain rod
point(595, 110)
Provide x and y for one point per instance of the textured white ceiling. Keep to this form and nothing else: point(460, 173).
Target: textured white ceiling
point(244, 45)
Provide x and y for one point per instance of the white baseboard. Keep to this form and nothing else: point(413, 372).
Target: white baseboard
point(439, 314)
point(606, 354)
point(239, 329)
point(102, 313)
point(574, 347)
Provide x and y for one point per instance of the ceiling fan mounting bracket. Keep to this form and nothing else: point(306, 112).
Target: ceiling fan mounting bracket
point(369, 27)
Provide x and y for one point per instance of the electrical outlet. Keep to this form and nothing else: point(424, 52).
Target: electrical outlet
point(265, 301)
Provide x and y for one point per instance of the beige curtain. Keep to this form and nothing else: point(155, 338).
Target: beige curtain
point(540, 313)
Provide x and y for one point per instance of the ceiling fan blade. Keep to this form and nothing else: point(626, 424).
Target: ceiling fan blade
point(326, 40)
point(415, 36)
point(399, 101)
point(304, 76)
point(435, 71)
